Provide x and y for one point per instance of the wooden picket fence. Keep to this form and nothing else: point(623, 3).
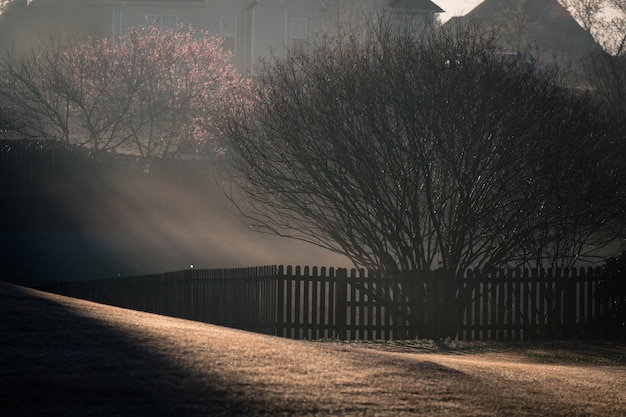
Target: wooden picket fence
point(324, 303)
point(242, 298)
point(316, 303)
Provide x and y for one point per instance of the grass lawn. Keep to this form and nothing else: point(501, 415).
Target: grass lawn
point(65, 357)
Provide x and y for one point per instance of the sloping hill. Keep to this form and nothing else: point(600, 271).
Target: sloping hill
point(66, 357)
point(544, 24)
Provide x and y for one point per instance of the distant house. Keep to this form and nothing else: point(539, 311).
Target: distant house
point(543, 25)
point(250, 28)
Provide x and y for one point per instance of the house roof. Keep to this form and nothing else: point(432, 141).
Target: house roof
point(548, 25)
point(154, 2)
point(401, 4)
point(416, 5)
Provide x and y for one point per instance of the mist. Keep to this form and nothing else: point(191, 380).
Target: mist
point(88, 219)
point(153, 221)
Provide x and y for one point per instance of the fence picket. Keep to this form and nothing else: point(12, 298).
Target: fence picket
point(341, 297)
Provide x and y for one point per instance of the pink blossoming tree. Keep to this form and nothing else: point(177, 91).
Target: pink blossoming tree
point(152, 93)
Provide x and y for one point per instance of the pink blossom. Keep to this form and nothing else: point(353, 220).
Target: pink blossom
point(153, 92)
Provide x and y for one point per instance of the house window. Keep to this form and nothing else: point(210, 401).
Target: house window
point(298, 33)
point(163, 22)
point(228, 32)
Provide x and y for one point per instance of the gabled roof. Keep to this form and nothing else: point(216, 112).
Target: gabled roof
point(548, 26)
point(426, 5)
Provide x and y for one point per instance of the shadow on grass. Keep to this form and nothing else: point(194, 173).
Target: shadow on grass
point(582, 352)
point(55, 362)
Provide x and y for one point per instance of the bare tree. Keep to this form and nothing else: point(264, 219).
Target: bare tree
point(587, 12)
point(605, 70)
point(605, 20)
point(406, 155)
point(28, 88)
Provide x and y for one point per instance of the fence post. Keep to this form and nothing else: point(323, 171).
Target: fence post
point(569, 301)
point(280, 301)
point(341, 301)
point(433, 306)
point(190, 313)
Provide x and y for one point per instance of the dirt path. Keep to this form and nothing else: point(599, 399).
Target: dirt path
point(66, 357)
